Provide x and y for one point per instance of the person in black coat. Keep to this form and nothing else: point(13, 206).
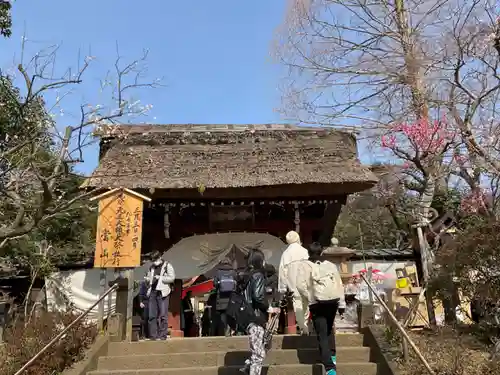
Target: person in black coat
point(188, 314)
point(255, 290)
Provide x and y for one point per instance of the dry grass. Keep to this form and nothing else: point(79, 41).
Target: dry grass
point(23, 342)
point(449, 352)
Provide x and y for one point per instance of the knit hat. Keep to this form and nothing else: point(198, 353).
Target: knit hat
point(292, 237)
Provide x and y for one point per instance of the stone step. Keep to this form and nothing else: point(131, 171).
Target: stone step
point(236, 358)
point(342, 368)
point(217, 344)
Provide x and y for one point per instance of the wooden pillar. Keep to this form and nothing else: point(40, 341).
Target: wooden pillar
point(175, 310)
point(124, 302)
point(129, 275)
point(166, 222)
point(117, 328)
point(297, 217)
point(102, 287)
point(291, 324)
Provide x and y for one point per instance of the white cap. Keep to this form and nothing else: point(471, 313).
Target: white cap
point(292, 237)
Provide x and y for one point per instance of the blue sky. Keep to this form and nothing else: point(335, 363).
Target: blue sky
point(214, 55)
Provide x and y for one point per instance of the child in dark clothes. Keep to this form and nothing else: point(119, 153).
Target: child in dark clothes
point(143, 304)
point(272, 285)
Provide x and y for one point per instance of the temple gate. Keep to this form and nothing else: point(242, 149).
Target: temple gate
point(208, 179)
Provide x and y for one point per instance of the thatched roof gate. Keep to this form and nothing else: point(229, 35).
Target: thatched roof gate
point(228, 156)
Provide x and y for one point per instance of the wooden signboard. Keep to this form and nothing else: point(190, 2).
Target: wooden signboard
point(119, 229)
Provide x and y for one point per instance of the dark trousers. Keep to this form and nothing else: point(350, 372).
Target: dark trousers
point(158, 315)
point(225, 330)
point(188, 323)
point(144, 320)
point(206, 322)
point(219, 323)
point(323, 316)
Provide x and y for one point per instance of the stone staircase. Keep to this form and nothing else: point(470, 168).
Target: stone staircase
point(293, 355)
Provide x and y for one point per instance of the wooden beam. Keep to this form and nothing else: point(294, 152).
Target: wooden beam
point(112, 191)
point(104, 195)
point(275, 192)
point(138, 195)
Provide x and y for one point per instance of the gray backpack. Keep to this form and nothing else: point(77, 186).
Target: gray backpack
point(227, 281)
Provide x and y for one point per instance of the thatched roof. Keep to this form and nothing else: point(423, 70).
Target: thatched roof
point(226, 156)
point(394, 253)
point(390, 178)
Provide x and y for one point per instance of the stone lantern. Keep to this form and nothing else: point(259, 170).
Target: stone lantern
point(338, 255)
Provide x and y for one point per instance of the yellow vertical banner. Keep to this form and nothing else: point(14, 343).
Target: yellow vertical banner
point(119, 231)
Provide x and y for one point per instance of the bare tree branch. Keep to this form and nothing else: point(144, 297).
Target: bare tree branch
point(35, 156)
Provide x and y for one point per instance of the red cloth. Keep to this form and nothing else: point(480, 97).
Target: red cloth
point(199, 289)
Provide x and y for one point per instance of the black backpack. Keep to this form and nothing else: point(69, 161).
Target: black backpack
point(239, 312)
point(226, 281)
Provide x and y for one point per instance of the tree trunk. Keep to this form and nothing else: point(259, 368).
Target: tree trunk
point(421, 111)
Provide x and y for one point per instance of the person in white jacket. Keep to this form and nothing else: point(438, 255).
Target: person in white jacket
point(323, 311)
point(160, 276)
point(289, 272)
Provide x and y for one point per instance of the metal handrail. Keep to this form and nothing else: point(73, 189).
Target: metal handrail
point(66, 329)
point(400, 327)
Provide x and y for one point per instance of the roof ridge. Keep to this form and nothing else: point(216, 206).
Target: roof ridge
point(124, 129)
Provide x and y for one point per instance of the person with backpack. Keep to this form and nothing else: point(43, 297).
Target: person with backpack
point(248, 308)
point(255, 292)
point(225, 284)
point(326, 292)
point(272, 285)
point(160, 276)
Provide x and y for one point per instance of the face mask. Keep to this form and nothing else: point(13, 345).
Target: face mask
point(157, 262)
